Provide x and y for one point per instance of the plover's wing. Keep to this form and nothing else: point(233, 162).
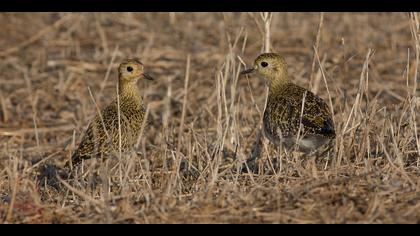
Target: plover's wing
point(284, 114)
point(96, 140)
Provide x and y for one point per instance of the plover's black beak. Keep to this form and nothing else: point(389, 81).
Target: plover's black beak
point(147, 76)
point(248, 71)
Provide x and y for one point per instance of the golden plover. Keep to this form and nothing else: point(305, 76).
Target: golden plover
point(284, 114)
point(102, 135)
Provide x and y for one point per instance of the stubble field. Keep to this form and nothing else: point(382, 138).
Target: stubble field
point(203, 118)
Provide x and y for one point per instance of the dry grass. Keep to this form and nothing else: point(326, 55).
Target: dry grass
point(204, 118)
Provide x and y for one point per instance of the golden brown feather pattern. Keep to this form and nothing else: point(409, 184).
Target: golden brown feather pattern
point(283, 113)
point(102, 135)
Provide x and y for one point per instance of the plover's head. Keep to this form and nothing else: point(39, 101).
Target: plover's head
point(269, 65)
point(130, 70)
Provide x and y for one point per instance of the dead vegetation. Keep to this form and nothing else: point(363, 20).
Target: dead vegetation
point(203, 118)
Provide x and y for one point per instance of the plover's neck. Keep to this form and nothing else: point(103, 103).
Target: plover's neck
point(129, 92)
point(278, 82)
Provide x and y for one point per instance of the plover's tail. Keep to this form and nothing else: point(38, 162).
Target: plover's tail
point(75, 160)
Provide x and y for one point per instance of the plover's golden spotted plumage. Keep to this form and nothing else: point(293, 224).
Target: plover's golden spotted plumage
point(283, 113)
point(102, 135)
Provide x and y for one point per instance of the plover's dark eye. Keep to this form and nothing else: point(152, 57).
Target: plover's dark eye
point(264, 64)
point(129, 68)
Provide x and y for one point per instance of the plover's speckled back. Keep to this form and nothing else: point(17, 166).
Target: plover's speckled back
point(283, 113)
